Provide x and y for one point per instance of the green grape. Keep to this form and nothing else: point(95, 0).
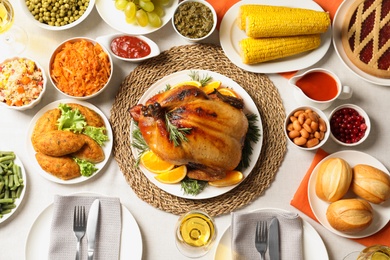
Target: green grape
point(120, 4)
point(147, 6)
point(154, 19)
point(141, 17)
point(130, 20)
point(130, 10)
point(159, 10)
point(162, 2)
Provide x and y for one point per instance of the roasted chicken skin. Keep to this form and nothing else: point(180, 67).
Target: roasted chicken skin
point(215, 141)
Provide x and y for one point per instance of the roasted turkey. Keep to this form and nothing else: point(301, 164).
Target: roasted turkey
point(217, 128)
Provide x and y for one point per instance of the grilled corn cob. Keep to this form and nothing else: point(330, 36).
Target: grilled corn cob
point(274, 21)
point(264, 49)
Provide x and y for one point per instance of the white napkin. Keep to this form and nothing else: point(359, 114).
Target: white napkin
point(62, 239)
point(243, 234)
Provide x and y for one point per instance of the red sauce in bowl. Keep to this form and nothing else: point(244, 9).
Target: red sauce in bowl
point(318, 86)
point(130, 47)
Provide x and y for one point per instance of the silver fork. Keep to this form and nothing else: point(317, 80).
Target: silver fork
point(79, 226)
point(261, 238)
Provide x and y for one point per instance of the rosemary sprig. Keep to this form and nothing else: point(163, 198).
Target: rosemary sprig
point(194, 75)
point(192, 187)
point(253, 135)
point(139, 143)
point(176, 134)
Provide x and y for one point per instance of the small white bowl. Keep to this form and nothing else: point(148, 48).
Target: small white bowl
point(37, 100)
point(214, 20)
point(320, 114)
point(361, 113)
point(52, 27)
point(73, 40)
point(107, 39)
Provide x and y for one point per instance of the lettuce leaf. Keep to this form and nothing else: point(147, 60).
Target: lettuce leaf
point(71, 120)
point(86, 168)
point(96, 133)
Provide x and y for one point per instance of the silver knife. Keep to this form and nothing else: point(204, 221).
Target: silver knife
point(93, 217)
point(274, 243)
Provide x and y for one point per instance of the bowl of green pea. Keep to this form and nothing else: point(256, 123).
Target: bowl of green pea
point(57, 15)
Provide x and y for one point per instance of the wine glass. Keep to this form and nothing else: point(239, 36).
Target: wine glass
point(195, 233)
point(375, 252)
point(13, 39)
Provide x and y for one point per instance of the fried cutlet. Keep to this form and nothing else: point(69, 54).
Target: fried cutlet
point(59, 143)
point(91, 117)
point(63, 167)
point(91, 151)
point(47, 122)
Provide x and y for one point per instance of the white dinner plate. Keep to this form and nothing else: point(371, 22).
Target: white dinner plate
point(107, 147)
point(230, 35)
point(319, 207)
point(338, 45)
point(116, 18)
point(17, 161)
point(38, 239)
point(313, 246)
point(249, 108)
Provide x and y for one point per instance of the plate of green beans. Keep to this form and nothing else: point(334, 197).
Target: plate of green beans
point(12, 184)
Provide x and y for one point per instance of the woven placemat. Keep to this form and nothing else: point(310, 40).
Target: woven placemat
point(205, 57)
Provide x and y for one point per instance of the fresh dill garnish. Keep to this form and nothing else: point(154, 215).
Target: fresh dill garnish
point(139, 143)
point(192, 187)
point(253, 135)
point(194, 75)
point(176, 134)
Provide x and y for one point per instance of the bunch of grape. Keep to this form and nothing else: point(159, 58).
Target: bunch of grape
point(142, 12)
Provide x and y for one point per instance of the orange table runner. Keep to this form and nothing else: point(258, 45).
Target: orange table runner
point(301, 202)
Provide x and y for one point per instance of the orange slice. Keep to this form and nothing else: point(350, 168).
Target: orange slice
point(231, 178)
point(227, 92)
point(154, 163)
point(209, 87)
point(172, 176)
point(191, 83)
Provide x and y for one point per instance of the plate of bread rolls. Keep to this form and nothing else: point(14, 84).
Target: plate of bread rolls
point(349, 194)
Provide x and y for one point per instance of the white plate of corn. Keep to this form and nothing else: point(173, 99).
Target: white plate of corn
point(269, 47)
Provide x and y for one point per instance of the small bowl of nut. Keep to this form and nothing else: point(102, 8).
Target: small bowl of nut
point(349, 125)
point(57, 15)
point(194, 20)
point(307, 127)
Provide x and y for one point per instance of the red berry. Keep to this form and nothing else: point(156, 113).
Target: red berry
point(347, 125)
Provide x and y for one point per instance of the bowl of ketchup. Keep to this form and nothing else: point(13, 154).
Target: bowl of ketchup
point(129, 47)
point(319, 88)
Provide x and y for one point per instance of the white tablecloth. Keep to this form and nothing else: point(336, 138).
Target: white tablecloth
point(157, 226)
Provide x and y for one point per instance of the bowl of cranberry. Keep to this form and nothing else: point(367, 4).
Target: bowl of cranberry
point(349, 125)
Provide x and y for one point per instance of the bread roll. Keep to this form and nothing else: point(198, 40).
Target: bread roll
point(333, 179)
point(349, 215)
point(370, 183)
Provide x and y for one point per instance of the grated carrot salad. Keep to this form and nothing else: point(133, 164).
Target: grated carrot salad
point(80, 68)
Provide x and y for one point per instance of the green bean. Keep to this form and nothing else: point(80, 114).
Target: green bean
point(7, 200)
point(11, 182)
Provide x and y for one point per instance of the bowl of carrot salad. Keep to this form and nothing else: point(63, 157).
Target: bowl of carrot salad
point(80, 68)
point(22, 83)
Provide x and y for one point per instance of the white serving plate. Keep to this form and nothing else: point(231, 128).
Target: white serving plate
point(230, 35)
point(313, 246)
point(319, 207)
point(116, 18)
point(38, 239)
point(338, 45)
point(106, 148)
point(249, 107)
